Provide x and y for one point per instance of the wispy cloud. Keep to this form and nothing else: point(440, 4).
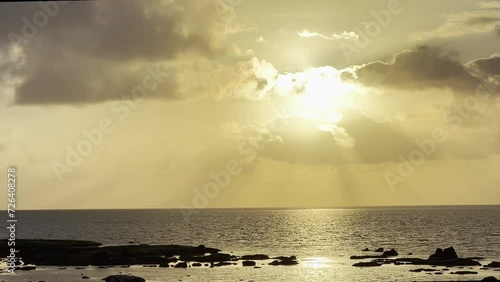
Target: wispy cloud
point(483, 20)
point(348, 35)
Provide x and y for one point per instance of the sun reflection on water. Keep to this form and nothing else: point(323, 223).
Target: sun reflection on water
point(316, 262)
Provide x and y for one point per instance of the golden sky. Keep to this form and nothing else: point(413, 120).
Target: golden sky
point(250, 103)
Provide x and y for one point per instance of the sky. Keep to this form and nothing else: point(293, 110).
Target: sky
point(249, 104)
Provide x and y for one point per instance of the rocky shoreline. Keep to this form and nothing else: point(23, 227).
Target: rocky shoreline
point(87, 253)
point(79, 254)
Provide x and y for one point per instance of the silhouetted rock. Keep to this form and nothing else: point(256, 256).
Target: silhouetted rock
point(196, 264)
point(379, 250)
point(181, 264)
point(248, 263)
point(367, 264)
point(493, 264)
point(423, 270)
point(386, 254)
point(489, 278)
point(446, 254)
point(365, 250)
point(284, 261)
point(464, 272)
point(25, 268)
point(255, 257)
point(391, 253)
point(123, 278)
point(85, 277)
point(222, 263)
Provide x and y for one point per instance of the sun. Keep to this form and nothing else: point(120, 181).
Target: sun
point(321, 93)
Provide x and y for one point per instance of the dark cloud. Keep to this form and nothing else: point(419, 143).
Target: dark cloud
point(422, 68)
point(481, 21)
point(96, 51)
point(486, 67)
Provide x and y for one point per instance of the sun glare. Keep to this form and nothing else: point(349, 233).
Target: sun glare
point(320, 92)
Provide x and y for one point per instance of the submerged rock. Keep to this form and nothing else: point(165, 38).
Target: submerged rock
point(367, 264)
point(493, 264)
point(123, 278)
point(464, 272)
point(181, 264)
point(255, 257)
point(25, 268)
point(284, 261)
point(248, 263)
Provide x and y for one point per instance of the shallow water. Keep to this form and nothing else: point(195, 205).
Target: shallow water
point(322, 239)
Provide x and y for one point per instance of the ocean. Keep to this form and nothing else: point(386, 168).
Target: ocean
point(321, 239)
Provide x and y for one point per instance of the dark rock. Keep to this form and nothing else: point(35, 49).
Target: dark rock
point(196, 264)
point(489, 278)
point(379, 250)
point(25, 268)
point(446, 254)
point(464, 272)
point(423, 270)
point(391, 253)
point(255, 257)
point(85, 277)
point(181, 264)
point(123, 278)
point(292, 260)
point(367, 264)
point(493, 264)
point(248, 263)
point(366, 250)
point(222, 263)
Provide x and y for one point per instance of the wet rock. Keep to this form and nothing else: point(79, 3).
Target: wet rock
point(423, 270)
point(222, 263)
point(255, 257)
point(391, 253)
point(248, 263)
point(386, 254)
point(464, 272)
point(123, 278)
point(181, 264)
point(284, 261)
point(446, 254)
point(25, 268)
point(493, 264)
point(367, 264)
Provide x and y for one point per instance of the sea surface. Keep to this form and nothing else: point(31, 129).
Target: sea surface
point(322, 239)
